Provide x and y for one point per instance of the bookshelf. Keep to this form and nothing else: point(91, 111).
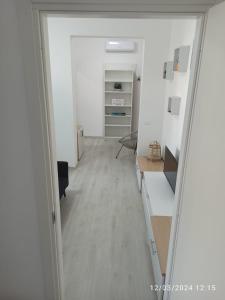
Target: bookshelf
point(118, 84)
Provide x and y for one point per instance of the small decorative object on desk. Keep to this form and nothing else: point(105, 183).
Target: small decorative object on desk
point(155, 151)
point(118, 102)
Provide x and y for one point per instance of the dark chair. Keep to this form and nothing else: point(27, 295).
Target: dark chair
point(129, 141)
point(63, 176)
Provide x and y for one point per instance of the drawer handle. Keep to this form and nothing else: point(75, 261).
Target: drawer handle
point(153, 247)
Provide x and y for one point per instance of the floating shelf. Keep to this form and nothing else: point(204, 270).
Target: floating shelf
point(168, 72)
point(117, 116)
point(112, 137)
point(118, 92)
point(118, 125)
point(181, 59)
point(174, 105)
point(119, 80)
point(110, 105)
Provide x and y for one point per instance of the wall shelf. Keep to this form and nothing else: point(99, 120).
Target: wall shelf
point(117, 125)
point(168, 72)
point(111, 105)
point(115, 116)
point(118, 92)
point(181, 59)
point(112, 137)
point(174, 105)
point(119, 80)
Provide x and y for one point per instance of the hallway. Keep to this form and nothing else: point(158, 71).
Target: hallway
point(104, 237)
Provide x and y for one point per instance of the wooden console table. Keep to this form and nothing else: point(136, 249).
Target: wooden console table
point(161, 226)
point(144, 164)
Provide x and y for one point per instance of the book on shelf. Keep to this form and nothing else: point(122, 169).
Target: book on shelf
point(118, 102)
point(118, 114)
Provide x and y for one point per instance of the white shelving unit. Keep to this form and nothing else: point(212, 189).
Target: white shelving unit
point(118, 116)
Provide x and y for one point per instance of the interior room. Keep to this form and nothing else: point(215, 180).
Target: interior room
point(119, 103)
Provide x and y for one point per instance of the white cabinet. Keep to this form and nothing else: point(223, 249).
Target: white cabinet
point(158, 277)
point(158, 200)
point(146, 200)
point(139, 179)
point(139, 176)
point(160, 194)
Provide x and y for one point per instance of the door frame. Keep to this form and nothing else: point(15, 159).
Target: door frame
point(40, 11)
point(184, 151)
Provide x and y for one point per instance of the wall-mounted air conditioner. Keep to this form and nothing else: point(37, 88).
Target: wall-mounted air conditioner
point(120, 46)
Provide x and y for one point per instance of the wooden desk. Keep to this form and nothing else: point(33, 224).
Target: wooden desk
point(161, 226)
point(146, 164)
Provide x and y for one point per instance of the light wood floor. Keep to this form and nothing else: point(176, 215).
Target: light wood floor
point(104, 236)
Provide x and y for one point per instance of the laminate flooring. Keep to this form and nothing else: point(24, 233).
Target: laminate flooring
point(105, 251)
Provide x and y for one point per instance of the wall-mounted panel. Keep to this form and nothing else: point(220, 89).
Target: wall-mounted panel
point(181, 59)
point(168, 72)
point(174, 105)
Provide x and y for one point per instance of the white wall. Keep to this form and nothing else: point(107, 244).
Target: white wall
point(156, 49)
point(62, 93)
point(153, 87)
point(182, 34)
point(88, 60)
point(200, 242)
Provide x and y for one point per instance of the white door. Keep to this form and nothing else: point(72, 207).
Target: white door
point(200, 261)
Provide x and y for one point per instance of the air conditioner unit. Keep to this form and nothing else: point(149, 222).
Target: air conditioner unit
point(119, 46)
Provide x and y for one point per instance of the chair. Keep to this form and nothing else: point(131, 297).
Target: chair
point(63, 177)
point(128, 141)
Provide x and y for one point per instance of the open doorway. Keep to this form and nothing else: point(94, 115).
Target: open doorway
point(105, 248)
